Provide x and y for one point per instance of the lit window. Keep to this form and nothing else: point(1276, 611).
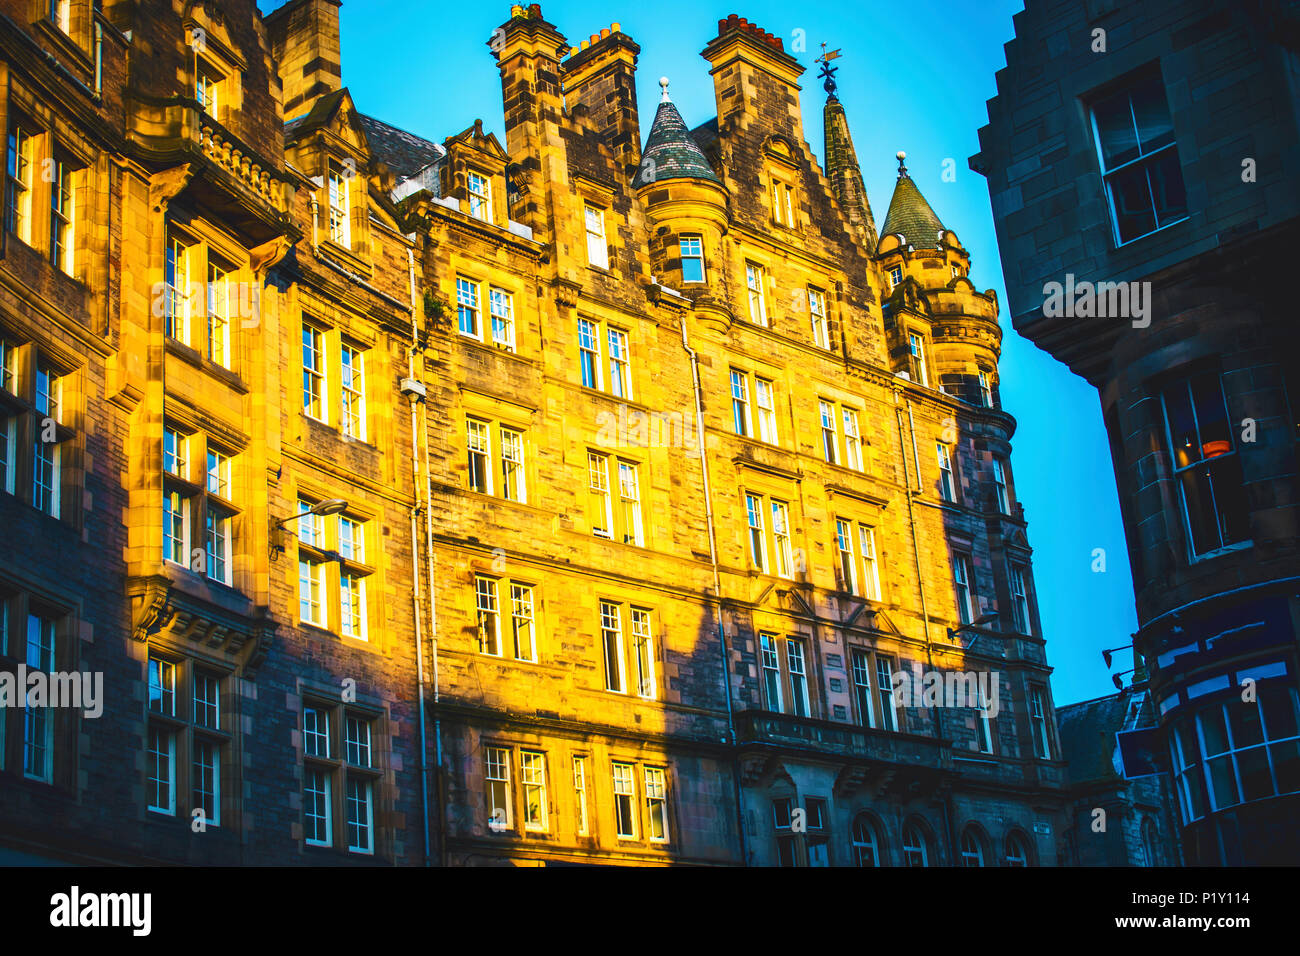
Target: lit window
point(496, 773)
point(61, 14)
point(353, 375)
point(480, 197)
point(176, 520)
point(581, 819)
point(175, 458)
point(830, 439)
point(532, 774)
point(624, 801)
point(1206, 465)
point(313, 372)
point(207, 88)
point(862, 688)
point(600, 513)
point(218, 314)
point(311, 585)
point(611, 639)
point(740, 403)
point(629, 495)
point(512, 465)
point(317, 809)
point(522, 626)
point(501, 304)
point(656, 803)
point(692, 255)
point(467, 307)
point(916, 349)
point(620, 382)
point(848, 562)
point(782, 204)
point(489, 617)
point(643, 652)
point(765, 399)
point(217, 542)
point(771, 672)
point(794, 653)
point(820, 323)
point(479, 449)
point(852, 439)
point(781, 539)
point(1139, 159)
point(986, 389)
point(589, 353)
point(352, 604)
point(176, 291)
point(757, 537)
point(871, 571)
point(947, 487)
point(18, 198)
point(597, 247)
point(63, 215)
point(754, 283)
point(340, 213)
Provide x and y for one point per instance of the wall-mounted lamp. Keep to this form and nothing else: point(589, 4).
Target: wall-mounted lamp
point(330, 506)
point(1106, 654)
point(982, 619)
point(1117, 678)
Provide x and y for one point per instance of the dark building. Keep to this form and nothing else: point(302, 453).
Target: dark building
point(1141, 160)
point(1113, 821)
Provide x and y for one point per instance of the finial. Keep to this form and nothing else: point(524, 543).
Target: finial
point(902, 170)
point(663, 83)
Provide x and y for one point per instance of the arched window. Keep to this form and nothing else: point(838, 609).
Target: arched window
point(916, 851)
point(866, 845)
point(1150, 842)
point(1017, 850)
point(972, 848)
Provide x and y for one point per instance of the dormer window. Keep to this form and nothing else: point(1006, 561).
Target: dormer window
point(480, 197)
point(782, 204)
point(340, 215)
point(916, 348)
point(207, 88)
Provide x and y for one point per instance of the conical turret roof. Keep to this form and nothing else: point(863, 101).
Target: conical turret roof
point(671, 152)
point(910, 215)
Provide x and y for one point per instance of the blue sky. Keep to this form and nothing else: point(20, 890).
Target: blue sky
point(912, 77)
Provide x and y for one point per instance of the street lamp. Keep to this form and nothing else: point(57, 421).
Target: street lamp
point(982, 619)
point(330, 506)
point(1106, 654)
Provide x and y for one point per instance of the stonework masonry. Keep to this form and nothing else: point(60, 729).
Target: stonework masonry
point(505, 501)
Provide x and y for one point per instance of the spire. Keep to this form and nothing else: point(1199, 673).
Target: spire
point(671, 152)
point(909, 214)
point(842, 170)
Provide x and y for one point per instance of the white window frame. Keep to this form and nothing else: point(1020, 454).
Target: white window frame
point(964, 586)
point(532, 778)
point(821, 327)
point(781, 539)
point(741, 418)
point(755, 277)
point(340, 206)
point(765, 402)
point(1000, 487)
point(690, 246)
point(501, 307)
point(487, 607)
point(624, 775)
point(830, 431)
point(655, 782)
point(352, 387)
point(947, 480)
point(597, 244)
point(479, 189)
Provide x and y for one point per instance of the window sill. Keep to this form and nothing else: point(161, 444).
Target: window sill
point(1221, 552)
point(1147, 235)
point(65, 42)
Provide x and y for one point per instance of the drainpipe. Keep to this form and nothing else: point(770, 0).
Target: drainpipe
point(415, 398)
point(439, 776)
point(717, 592)
point(99, 59)
point(920, 579)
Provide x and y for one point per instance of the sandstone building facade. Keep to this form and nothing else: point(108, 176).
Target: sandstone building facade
point(572, 498)
point(1146, 152)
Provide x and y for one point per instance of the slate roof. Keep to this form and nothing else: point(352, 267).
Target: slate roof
point(911, 216)
point(1086, 733)
point(404, 153)
point(673, 150)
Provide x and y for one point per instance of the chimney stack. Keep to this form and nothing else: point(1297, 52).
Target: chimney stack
point(304, 38)
point(752, 74)
point(602, 77)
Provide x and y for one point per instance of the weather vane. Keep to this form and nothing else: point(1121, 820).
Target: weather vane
point(828, 72)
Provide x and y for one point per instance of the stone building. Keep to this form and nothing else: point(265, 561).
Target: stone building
point(1141, 162)
point(536, 501)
